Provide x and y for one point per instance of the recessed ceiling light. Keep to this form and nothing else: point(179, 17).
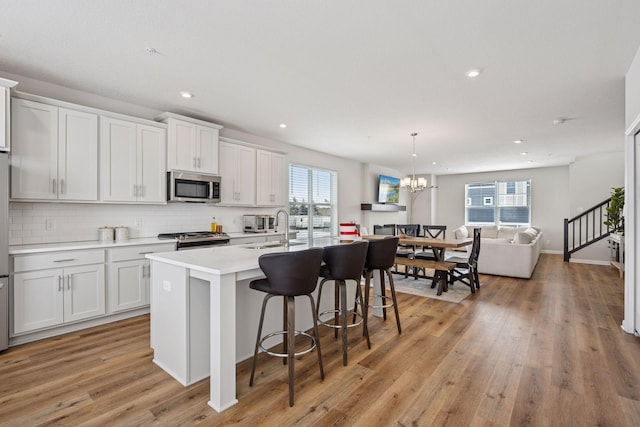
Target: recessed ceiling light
point(559, 121)
point(186, 94)
point(283, 125)
point(473, 73)
point(152, 51)
point(518, 141)
point(434, 163)
point(524, 153)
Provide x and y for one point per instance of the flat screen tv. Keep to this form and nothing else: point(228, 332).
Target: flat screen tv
point(388, 189)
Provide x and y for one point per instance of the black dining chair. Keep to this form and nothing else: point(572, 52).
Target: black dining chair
point(434, 232)
point(466, 270)
point(381, 256)
point(289, 274)
point(407, 251)
point(343, 263)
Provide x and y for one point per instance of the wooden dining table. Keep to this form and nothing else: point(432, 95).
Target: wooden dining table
point(439, 247)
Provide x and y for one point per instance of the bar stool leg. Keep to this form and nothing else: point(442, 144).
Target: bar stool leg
point(316, 333)
point(383, 294)
point(285, 324)
point(365, 307)
point(291, 338)
point(343, 319)
point(336, 302)
point(255, 352)
point(395, 302)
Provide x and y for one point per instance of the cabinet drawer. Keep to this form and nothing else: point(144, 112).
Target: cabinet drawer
point(138, 252)
point(57, 259)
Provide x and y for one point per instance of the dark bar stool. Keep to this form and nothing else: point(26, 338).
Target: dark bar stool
point(289, 274)
point(342, 263)
point(381, 256)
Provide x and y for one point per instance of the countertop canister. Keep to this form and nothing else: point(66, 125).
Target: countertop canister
point(105, 234)
point(122, 233)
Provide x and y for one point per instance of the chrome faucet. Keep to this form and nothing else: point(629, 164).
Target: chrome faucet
point(286, 225)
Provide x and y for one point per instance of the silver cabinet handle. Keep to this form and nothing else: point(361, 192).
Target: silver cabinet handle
point(59, 283)
point(195, 162)
point(64, 260)
point(141, 190)
point(53, 186)
point(144, 253)
point(199, 162)
point(68, 282)
point(62, 190)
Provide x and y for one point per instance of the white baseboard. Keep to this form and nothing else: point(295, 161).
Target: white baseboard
point(589, 261)
point(548, 251)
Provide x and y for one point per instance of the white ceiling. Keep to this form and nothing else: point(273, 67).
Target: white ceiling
point(356, 77)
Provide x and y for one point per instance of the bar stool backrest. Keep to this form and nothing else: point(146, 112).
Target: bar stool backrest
point(382, 253)
point(346, 261)
point(292, 273)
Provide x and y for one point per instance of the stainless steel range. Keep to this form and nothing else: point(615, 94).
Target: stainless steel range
point(196, 239)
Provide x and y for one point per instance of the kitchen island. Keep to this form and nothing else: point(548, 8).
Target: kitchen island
point(204, 316)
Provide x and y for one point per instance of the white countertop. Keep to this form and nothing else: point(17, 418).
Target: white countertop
point(220, 259)
point(90, 244)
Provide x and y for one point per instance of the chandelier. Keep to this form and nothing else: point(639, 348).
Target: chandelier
point(411, 183)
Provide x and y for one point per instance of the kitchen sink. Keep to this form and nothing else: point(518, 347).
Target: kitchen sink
point(266, 245)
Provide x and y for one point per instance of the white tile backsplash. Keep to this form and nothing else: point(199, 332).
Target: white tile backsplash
point(80, 222)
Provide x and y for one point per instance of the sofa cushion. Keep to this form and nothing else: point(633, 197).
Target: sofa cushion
point(532, 231)
point(489, 232)
point(523, 238)
point(508, 232)
point(461, 232)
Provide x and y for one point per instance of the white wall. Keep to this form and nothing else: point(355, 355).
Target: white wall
point(590, 181)
point(369, 194)
point(549, 199)
point(81, 221)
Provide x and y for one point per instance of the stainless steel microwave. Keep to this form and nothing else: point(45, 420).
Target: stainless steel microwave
point(192, 187)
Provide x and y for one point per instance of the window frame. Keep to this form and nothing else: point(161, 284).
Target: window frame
point(510, 192)
point(312, 206)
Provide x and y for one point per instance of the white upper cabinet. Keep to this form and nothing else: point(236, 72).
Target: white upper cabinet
point(238, 173)
point(192, 144)
point(271, 179)
point(5, 116)
point(54, 152)
point(132, 162)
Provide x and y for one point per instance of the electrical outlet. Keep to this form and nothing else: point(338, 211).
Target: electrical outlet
point(166, 285)
point(138, 222)
point(49, 224)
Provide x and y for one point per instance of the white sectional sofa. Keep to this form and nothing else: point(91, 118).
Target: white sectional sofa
point(506, 251)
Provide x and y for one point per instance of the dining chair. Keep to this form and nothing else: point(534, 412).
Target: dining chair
point(466, 270)
point(407, 251)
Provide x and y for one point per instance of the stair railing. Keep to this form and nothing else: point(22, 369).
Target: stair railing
point(585, 229)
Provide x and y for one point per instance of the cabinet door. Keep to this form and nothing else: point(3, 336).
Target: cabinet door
point(279, 179)
point(207, 147)
point(84, 292)
point(77, 155)
point(4, 114)
point(34, 157)
point(271, 183)
point(246, 175)
point(152, 180)
point(128, 285)
point(181, 146)
point(118, 160)
point(37, 300)
point(228, 172)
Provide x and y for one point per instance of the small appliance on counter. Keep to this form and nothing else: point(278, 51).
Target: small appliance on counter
point(258, 223)
point(106, 234)
point(122, 233)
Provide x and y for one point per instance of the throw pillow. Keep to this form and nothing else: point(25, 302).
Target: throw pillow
point(507, 232)
point(489, 232)
point(532, 231)
point(523, 238)
point(461, 232)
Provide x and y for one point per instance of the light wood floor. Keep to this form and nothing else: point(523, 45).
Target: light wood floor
point(545, 351)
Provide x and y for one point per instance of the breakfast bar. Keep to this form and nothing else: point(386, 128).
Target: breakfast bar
point(204, 317)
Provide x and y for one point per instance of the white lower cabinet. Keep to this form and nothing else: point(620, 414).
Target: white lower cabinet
point(129, 276)
point(52, 297)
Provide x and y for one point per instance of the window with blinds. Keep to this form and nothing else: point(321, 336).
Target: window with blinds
point(313, 203)
point(499, 203)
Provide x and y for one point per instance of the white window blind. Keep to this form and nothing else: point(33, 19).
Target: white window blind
point(513, 205)
point(313, 203)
